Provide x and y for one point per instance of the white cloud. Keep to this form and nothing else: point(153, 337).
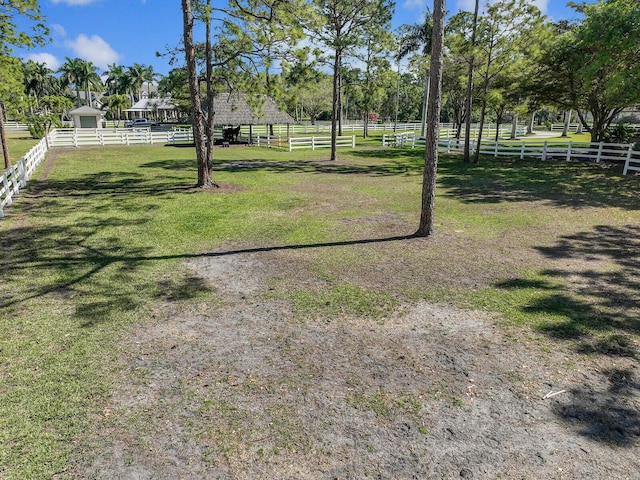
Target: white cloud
point(75, 2)
point(413, 4)
point(93, 49)
point(465, 5)
point(58, 30)
point(469, 5)
point(51, 61)
point(542, 5)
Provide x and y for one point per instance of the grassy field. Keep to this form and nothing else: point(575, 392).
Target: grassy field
point(101, 235)
point(19, 144)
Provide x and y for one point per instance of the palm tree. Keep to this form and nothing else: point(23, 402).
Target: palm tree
point(415, 38)
point(148, 76)
point(71, 71)
point(138, 75)
point(82, 75)
point(90, 80)
point(115, 79)
point(115, 104)
point(39, 81)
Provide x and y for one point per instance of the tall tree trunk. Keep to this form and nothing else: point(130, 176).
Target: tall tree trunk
point(514, 127)
point(483, 111)
point(469, 100)
point(204, 173)
point(425, 107)
point(335, 109)
point(532, 119)
point(340, 98)
point(210, 95)
point(567, 120)
point(3, 139)
point(425, 228)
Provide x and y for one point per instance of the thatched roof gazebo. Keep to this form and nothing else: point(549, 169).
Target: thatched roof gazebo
point(236, 109)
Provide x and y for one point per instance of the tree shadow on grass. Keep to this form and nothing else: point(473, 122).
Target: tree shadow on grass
point(106, 277)
point(319, 167)
point(593, 303)
point(110, 185)
point(606, 412)
point(566, 184)
point(596, 293)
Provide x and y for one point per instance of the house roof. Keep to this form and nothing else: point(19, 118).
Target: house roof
point(85, 110)
point(235, 109)
point(148, 105)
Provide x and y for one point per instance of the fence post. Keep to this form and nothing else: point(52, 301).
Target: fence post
point(544, 150)
point(628, 159)
point(599, 152)
point(290, 149)
point(22, 172)
point(7, 188)
point(495, 150)
point(313, 143)
point(568, 152)
point(522, 151)
point(353, 141)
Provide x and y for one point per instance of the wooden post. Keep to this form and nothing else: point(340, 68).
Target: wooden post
point(22, 172)
point(628, 160)
point(600, 146)
point(544, 150)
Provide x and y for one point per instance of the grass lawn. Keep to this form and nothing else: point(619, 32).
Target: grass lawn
point(19, 144)
point(98, 242)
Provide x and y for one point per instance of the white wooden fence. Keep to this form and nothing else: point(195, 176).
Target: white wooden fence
point(16, 177)
point(321, 142)
point(595, 152)
point(71, 137)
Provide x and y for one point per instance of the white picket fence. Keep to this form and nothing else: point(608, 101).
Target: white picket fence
point(16, 177)
point(598, 152)
point(71, 137)
point(321, 142)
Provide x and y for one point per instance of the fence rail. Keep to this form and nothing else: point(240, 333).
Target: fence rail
point(320, 142)
point(16, 177)
point(596, 152)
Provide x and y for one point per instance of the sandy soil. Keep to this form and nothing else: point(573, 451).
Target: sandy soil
point(236, 385)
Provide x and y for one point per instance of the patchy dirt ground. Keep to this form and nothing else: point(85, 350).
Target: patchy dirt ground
point(236, 385)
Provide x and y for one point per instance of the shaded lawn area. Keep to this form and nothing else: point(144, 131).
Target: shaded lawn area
point(99, 239)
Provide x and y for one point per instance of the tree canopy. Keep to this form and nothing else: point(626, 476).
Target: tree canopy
point(594, 65)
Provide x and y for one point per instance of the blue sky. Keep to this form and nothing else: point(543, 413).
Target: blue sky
point(128, 31)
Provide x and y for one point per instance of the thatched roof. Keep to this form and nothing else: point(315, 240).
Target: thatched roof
point(233, 109)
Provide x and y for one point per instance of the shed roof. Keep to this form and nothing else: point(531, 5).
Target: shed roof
point(86, 110)
point(234, 109)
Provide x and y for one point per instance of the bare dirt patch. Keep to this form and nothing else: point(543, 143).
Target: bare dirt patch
point(237, 385)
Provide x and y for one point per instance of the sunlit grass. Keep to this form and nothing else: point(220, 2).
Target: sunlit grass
point(100, 248)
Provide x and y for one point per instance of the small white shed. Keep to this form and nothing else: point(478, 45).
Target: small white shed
point(87, 117)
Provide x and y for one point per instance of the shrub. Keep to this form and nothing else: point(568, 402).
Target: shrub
point(40, 124)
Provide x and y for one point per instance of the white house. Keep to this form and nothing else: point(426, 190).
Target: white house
point(161, 109)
